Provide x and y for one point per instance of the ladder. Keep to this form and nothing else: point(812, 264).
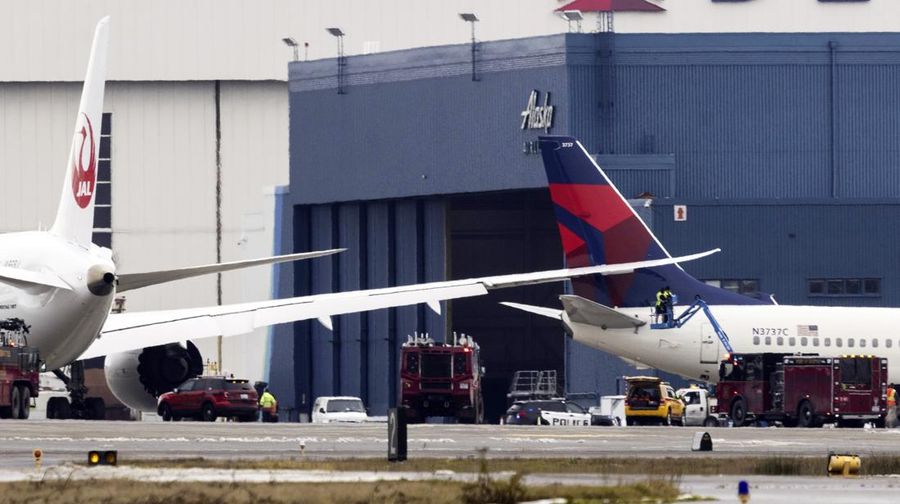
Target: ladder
point(692, 310)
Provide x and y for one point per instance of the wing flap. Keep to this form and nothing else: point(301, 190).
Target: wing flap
point(584, 311)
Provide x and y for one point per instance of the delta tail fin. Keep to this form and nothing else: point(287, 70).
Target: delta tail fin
point(598, 226)
point(75, 214)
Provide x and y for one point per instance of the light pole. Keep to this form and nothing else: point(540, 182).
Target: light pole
point(341, 60)
point(471, 18)
point(290, 42)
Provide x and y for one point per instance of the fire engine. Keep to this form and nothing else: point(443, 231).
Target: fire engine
point(19, 370)
point(441, 379)
point(803, 390)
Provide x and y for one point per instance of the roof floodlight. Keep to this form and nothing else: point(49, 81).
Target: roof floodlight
point(289, 41)
point(572, 15)
point(468, 17)
point(337, 32)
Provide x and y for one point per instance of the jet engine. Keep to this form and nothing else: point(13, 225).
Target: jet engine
point(139, 377)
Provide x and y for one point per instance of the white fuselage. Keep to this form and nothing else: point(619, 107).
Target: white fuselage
point(694, 350)
point(63, 322)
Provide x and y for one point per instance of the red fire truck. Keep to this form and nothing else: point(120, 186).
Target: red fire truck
point(441, 379)
point(19, 370)
point(803, 390)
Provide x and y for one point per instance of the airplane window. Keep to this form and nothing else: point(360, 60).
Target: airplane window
point(837, 342)
point(888, 342)
point(756, 340)
point(780, 341)
point(803, 341)
point(862, 342)
point(850, 342)
point(792, 341)
point(768, 340)
point(874, 343)
point(815, 341)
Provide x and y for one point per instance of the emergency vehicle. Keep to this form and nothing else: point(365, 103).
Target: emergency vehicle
point(803, 390)
point(19, 370)
point(441, 379)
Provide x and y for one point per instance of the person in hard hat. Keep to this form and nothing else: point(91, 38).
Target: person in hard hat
point(890, 420)
point(661, 303)
point(667, 304)
point(268, 405)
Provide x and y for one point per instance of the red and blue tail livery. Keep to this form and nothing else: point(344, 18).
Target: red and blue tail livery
point(598, 226)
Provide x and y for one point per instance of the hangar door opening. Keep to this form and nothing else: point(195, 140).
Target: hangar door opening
point(501, 233)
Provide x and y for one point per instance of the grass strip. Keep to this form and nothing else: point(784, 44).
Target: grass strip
point(131, 492)
point(661, 466)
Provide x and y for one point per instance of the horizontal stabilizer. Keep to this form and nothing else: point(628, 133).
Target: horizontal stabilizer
point(18, 276)
point(584, 311)
point(537, 310)
point(131, 281)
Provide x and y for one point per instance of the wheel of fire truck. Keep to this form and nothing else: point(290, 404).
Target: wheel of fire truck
point(806, 415)
point(58, 408)
point(479, 411)
point(15, 401)
point(738, 412)
point(94, 408)
point(25, 398)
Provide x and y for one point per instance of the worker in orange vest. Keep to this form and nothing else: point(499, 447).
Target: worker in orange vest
point(891, 418)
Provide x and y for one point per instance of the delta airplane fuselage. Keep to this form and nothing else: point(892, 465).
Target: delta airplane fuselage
point(78, 314)
point(694, 350)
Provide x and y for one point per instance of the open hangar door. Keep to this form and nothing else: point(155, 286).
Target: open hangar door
point(501, 233)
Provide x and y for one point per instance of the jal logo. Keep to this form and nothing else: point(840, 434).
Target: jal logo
point(84, 161)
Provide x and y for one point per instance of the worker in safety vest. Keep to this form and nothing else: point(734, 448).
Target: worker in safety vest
point(268, 405)
point(660, 302)
point(890, 420)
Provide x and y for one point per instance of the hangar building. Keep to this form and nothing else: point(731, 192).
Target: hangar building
point(783, 148)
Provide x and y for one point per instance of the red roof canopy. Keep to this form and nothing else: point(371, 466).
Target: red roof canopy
point(611, 6)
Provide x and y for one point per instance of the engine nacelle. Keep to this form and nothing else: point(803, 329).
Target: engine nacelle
point(139, 377)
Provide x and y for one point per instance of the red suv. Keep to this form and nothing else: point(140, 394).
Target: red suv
point(208, 397)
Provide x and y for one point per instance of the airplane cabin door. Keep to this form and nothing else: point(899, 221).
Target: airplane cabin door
point(709, 345)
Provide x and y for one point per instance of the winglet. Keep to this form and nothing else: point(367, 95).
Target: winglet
point(75, 213)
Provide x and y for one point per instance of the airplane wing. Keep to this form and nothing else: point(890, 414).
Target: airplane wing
point(130, 281)
point(20, 276)
point(131, 331)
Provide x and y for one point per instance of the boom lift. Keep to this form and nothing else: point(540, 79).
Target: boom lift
point(699, 304)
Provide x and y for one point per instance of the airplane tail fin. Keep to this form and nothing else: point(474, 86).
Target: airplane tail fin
point(598, 226)
point(75, 214)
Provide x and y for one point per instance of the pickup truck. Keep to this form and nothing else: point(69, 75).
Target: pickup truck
point(700, 407)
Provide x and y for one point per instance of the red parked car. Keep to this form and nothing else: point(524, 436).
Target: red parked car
point(209, 397)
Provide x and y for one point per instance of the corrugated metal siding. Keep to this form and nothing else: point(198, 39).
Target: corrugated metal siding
point(783, 245)
point(422, 137)
point(868, 130)
point(359, 356)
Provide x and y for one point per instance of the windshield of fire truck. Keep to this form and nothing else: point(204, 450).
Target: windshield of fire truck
point(856, 371)
point(436, 365)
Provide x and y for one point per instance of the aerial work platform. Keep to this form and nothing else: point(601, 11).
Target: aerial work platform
point(699, 304)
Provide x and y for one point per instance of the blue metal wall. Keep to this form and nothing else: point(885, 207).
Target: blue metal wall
point(784, 147)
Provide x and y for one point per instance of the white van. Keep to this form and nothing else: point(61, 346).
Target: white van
point(339, 409)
